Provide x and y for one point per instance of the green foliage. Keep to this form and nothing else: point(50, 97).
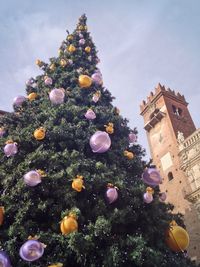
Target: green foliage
point(125, 233)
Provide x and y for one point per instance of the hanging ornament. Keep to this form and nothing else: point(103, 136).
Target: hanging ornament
point(82, 41)
point(32, 96)
point(63, 63)
point(10, 149)
point(81, 27)
point(177, 237)
point(40, 133)
point(30, 82)
point(84, 81)
point(69, 224)
point(57, 96)
point(39, 63)
point(163, 196)
point(97, 78)
point(132, 138)
point(70, 37)
point(151, 177)
point(70, 61)
point(80, 35)
point(58, 264)
point(90, 115)
point(33, 178)
point(100, 142)
point(148, 196)
point(109, 128)
point(111, 193)
point(2, 211)
point(96, 96)
point(128, 154)
point(31, 250)
point(4, 259)
point(87, 49)
point(71, 48)
point(2, 131)
point(77, 183)
point(52, 67)
point(18, 100)
point(48, 80)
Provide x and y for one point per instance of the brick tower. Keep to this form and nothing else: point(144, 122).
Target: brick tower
point(165, 113)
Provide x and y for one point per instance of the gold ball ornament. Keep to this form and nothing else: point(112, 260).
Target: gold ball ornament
point(81, 28)
point(38, 62)
point(128, 154)
point(177, 238)
point(60, 52)
point(1, 215)
point(56, 265)
point(87, 49)
point(32, 96)
point(69, 224)
point(63, 63)
point(84, 81)
point(109, 128)
point(77, 183)
point(39, 133)
point(70, 37)
point(71, 48)
point(52, 67)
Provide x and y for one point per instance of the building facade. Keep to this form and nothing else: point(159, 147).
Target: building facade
point(165, 114)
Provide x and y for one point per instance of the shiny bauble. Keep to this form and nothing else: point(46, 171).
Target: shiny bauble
point(100, 142)
point(81, 27)
point(87, 49)
point(10, 149)
point(109, 128)
point(48, 81)
point(132, 138)
point(82, 41)
point(151, 177)
point(39, 133)
point(70, 37)
point(111, 194)
point(77, 183)
point(148, 197)
point(39, 63)
point(1, 215)
point(52, 67)
point(32, 178)
point(90, 115)
point(31, 250)
point(18, 100)
point(69, 224)
point(97, 78)
point(96, 97)
point(57, 96)
point(30, 82)
point(32, 96)
point(162, 196)
point(71, 48)
point(4, 260)
point(128, 154)
point(63, 63)
point(177, 238)
point(84, 81)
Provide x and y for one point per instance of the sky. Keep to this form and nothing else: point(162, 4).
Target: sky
point(141, 43)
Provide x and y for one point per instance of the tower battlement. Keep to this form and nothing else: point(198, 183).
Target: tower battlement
point(160, 89)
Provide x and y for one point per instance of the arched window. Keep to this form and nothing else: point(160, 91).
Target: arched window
point(177, 111)
point(170, 176)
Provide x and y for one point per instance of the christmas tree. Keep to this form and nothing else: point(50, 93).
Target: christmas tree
point(70, 175)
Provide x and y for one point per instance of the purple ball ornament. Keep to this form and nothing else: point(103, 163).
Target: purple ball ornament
point(10, 149)
point(30, 82)
point(151, 177)
point(132, 138)
point(163, 196)
point(148, 198)
point(97, 78)
point(82, 41)
point(48, 81)
point(57, 96)
point(18, 100)
point(32, 178)
point(100, 142)
point(4, 260)
point(111, 193)
point(80, 35)
point(90, 115)
point(70, 62)
point(31, 250)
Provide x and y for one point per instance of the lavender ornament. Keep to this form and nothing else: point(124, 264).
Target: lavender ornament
point(111, 193)
point(82, 41)
point(31, 250)
point(148, 198)
point(57, 96)
point(162, 196)
point(18, 100)
point(100, 142)
point(48, 81)
point(151, 177)
point(97, 78)
point(10, 149)
point(32, 178)
point(90, 115)
point(4, 259)
point(132, 138)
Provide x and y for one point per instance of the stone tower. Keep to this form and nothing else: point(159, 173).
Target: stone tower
point(165, 113)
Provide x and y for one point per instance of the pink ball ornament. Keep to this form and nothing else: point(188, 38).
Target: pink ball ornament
point(111, 194)
point(57, 96)
point(4, 259)
point(132, 138)
point(95, 98)
point(97, 78)
point(148, 198)
point(10, 149)
point(18, 100)
point(82, 41)
point(90, 115)
point(32, 178)
point(48, 81)
point(163, 196)
point(31, 250)
point(151, 177)
point(100, 142)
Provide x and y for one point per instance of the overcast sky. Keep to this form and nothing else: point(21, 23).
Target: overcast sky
point(140, 43)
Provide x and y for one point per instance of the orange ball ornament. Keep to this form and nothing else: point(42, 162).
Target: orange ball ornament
point(71, 48)
point(109, 128)
point(128, 154)
point(84, 81)
point(177, 238)
point(32, 96)
point(69, 224)
point(81, 28)
point(1, 214)
point(77, 183)
point(38, 62)
point(87, 49)
point(39, 133)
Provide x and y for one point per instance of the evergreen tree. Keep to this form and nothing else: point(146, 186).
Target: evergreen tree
point(87, 207)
